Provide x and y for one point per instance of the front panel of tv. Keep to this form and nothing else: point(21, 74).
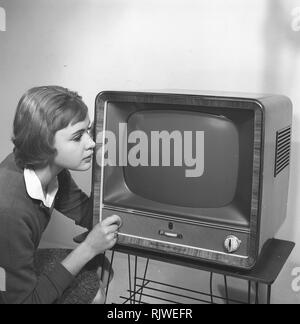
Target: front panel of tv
point(253, 214)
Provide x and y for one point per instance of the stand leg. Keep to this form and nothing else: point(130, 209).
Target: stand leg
point(129, 279)
point(269, 295)
point(134, 291)
point(135, 276)
point(256, 293)
point(211, 287)
point(249, 292)
point(226, 290)
point(143, 282)
point(109, 273)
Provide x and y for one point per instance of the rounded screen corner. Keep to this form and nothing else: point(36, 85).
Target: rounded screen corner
point(103, 96)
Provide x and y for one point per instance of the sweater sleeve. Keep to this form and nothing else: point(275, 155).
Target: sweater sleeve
point(17, 249)
point(73, 202)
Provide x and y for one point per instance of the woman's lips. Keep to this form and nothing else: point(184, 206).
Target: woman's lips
point(88, 158)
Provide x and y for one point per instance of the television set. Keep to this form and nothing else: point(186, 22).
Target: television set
point(197, 175)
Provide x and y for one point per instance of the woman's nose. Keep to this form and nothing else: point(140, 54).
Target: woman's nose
point(90, 143)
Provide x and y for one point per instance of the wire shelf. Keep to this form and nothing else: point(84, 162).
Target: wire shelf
point(152, 291)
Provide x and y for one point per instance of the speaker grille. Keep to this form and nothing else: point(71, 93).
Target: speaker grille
point(283, 149)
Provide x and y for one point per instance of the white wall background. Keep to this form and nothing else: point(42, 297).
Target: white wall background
point(94, 45)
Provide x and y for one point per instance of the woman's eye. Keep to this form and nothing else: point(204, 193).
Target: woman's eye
point(77, 138)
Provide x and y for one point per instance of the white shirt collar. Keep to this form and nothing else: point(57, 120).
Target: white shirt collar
point(35, 190)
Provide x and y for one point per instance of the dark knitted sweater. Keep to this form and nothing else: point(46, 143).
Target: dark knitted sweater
point(22, 223)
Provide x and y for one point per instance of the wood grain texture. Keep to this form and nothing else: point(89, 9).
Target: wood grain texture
point(196, 254)
point(97, 169)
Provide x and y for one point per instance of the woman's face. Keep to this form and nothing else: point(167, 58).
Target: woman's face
point(74, 147)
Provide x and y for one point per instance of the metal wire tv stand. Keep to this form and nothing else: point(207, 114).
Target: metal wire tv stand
point(271, 261)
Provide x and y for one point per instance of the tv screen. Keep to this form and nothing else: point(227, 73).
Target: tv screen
point(194, 158)
point(204, 177)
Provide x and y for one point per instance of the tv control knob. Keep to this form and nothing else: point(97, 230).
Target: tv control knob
point(232, 243)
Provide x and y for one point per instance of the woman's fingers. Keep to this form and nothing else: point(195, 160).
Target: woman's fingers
point(112, 229)
point(114, 219)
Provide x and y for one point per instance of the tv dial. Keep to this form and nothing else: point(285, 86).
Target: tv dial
point(232, 243)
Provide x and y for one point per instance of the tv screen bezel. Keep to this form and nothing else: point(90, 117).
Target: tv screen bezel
point(202, 99)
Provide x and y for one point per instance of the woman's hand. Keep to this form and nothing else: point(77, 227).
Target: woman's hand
point(104, 235)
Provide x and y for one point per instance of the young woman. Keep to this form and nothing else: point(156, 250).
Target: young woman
point(51, 136)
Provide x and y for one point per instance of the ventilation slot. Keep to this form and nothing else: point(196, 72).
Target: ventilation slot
point(283, 148)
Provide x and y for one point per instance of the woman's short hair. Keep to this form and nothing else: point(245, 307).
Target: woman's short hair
point(41, 112)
